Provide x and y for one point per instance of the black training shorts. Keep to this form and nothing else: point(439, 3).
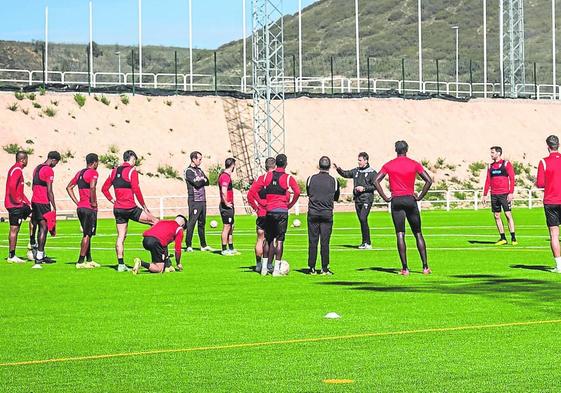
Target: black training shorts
point(405, 207)
point(122, 216)
point(260, 223)
point(158, 252)
point(275, 226)
point(17, 215)
point(552, 215)
point(38, 210)
point(227, 214)
point(88, 221)
point(499, 202)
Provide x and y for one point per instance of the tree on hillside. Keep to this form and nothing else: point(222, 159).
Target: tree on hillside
point(96, 50)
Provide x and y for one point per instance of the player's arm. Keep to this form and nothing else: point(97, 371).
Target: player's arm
point(293, 184)
point(511, 181)
point(487, 186)
point(193, 180)
point(136, 190)
point(377, 183)
point(70, 190)
point(93, 193)
point(337, 191)
point(369, 187)
point(224, 194)
point(177, 247)
point(346, 174)
point(428, 183)
point(12, 188)
point(251, 197)
point(51, 194)
point(540, 179)
point(106, 186)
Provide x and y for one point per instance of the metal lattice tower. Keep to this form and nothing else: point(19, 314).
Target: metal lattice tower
point(268, 80)
point(513, 60)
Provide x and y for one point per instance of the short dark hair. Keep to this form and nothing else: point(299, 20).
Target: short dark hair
point(229, 162)
point(401, 147)
point(20, 155)
point(128, 154)
point(324, 163)
point(270, 163)
point(184, 226)
point(195, 154)
point(552, 142)
point(281, 161)
point(364, 155)
point(498, 149)
point(53, 155)
point(91, 158)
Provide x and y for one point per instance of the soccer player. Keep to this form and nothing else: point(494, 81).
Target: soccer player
point(226, 207)
point(124, 180)
point(323, 190)
point(363, 194)
point(258, 203)
point(17, 204)
point(402, 172)
point(86, 180)
point(156, 240)
point(277, 185)
point(41, 201)
point(500, 180)
point(549, 178)
point(196, 199)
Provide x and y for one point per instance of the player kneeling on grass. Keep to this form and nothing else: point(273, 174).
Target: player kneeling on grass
point(86, 180)
point(157, 239)
point(402, 172)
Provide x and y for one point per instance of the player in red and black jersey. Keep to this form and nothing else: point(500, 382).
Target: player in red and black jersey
point(86, 180)
point(226, 189)
point(500, 181)
point(41, 201)
point(17, 204)
point(124, 180)
point(402, 172)
point(258, 203)
point(278, 200)
point(156, 240)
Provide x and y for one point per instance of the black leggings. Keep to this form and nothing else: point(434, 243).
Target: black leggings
point(319, 230)
point(362, 212)
point(197, 215)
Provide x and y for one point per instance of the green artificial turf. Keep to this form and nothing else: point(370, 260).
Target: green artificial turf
point(209, 315)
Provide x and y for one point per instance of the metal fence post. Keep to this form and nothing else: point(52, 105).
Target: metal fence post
point(447, 200)
point(132, 66)
point(530, 199)
point(475, 201)
point(402, 76)
point(215, 76)
point(332, 81)
point(162, 208)
point(437, 79)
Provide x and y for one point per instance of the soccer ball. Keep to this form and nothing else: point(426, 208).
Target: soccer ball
point(213, 224)
point(296, 223)
point(284, 268)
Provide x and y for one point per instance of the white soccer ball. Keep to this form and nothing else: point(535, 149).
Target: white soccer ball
point(213, 224)
point(284, 268)
point(296, 223)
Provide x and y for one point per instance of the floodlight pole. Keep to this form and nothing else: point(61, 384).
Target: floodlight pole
point(46, 76)
point(140, 42)
point(420, 33)
point(300, 41)
point(553, 49)
point(244, 32)
point(91, 45)
point(357, 34)
point(485, 48)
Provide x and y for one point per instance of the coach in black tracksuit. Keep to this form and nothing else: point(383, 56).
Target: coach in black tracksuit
point(196, 198)
point(363, 193)
point(322, 190)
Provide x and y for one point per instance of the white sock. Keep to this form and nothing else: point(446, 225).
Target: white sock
point(277, 265)
point(40, 255)
point(558, 262)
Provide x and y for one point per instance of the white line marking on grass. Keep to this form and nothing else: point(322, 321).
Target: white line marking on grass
point(278, 342)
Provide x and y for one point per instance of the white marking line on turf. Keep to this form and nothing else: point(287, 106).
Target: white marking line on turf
point(278, 342)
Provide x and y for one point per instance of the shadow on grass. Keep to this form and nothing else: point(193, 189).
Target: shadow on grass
point(480, 242)
point(389, 270)
point(542, 268)
point(349, 246)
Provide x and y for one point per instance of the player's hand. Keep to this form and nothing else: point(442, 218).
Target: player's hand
point(510, 198)
point(484, 199)
point(335, 166)
point(359, 189)
point(180, 267)
point(417, 198)
point(94, 205)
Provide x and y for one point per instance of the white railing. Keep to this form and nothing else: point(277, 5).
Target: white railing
point(322, 84)
point(170, 205)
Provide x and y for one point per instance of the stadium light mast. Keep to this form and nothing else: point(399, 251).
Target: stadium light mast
point(553, 49)
point(501, 47)
point(46, 76)
point(91, 45)
point(485, 48)
point(244, 33)
point(140, 42)
point(357, 38)
point(513, 60)
point(300, 40)
point(457, 29)
point(190, 45)
point(420, 33)
point(268, 80)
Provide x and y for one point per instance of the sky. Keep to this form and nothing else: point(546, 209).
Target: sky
point(164, 22)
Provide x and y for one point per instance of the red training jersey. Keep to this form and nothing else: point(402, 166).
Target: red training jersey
point(167, 231)
point(42, 175)
point(402, 172)
point(225, 180)
point(276, 185)
point(124, 180)
point(500, 178)
point(257, 199)
point(83, 180)
point(15, 197)
point(549, 178)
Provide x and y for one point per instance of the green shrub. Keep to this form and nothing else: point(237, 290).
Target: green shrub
point(36, 105)
point(50, 111)
point(114, 149)
point(96, 98)
point(13, 148)
point(110, 160)
point(19, 95)
point(168, 102)
point(55, 103)
point(41, 91)
point(13, 107)
point(342, 182)
point(65, 156)
point(213, 174)
point(31, 96)
point(125, 99)
point(168, 172)
point(80, 99)
point(301, 185)
point(105, 100)
point(476, 167)
point(440, 162)
point(241, 185)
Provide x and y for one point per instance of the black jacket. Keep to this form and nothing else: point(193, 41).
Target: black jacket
point(361, 177)
point(196, 188)
point(322, 190)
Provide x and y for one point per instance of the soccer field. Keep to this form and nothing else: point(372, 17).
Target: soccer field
point(487, 319)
